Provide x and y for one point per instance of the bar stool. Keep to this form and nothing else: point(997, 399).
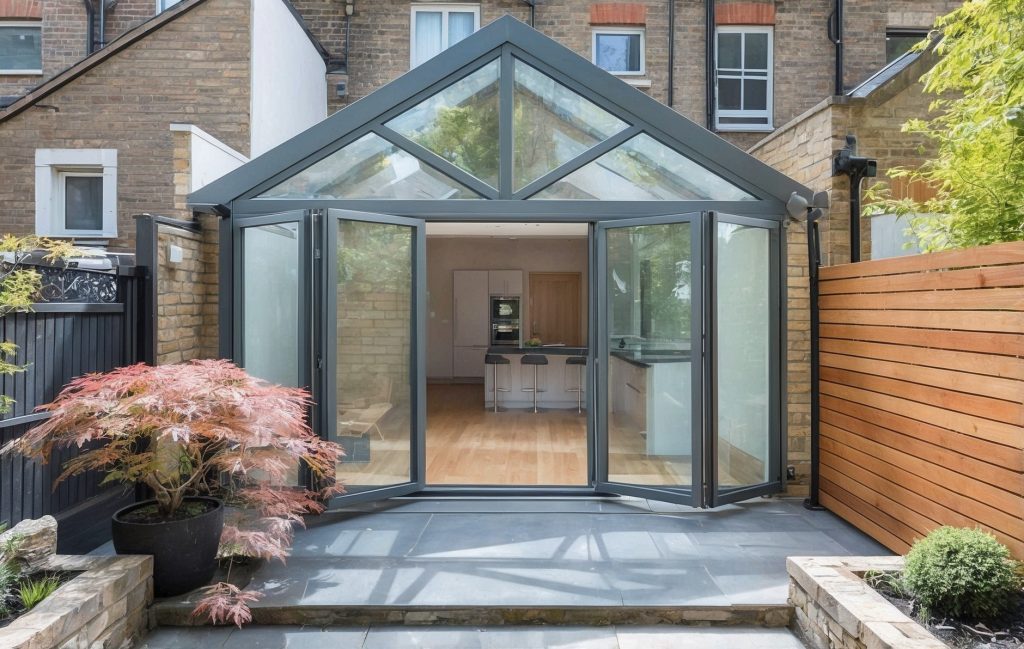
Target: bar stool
point(536, 360)
point(494, 360)
point(580, 362)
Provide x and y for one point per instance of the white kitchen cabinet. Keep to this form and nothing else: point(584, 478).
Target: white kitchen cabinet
point(468, 362)
point(505, 282)
point(471, 309)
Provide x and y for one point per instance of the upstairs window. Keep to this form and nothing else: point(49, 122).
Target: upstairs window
point(21, 49)
point(619, 50)
point(899, 41)
point(437, 27)
point(163, 5)
point(743, 91)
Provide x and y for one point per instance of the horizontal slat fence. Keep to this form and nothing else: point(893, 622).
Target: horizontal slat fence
point(57, 342)
point(922, 393)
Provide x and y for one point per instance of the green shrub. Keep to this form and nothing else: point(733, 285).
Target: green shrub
point(33, 591)
point(962, 573)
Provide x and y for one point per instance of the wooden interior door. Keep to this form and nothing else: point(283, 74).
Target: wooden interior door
point(555, 308)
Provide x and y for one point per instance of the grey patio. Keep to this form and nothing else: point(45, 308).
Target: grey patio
point(552, 552)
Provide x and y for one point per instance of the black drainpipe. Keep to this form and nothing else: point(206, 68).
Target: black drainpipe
point(709, 62)
point(835, 34)
point(103, 25)
point(671, 50)
point(90, 16)
point(813, 265)
point(533, 9)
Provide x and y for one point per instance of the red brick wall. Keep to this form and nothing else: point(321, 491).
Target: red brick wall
point(128, 103)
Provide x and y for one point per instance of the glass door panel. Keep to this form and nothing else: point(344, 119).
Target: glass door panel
point(272, 301)
point(746, 456)
point(648, 357)
point(375, 383)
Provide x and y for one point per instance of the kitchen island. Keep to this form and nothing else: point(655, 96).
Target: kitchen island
point(554, 379)
point(650, 393)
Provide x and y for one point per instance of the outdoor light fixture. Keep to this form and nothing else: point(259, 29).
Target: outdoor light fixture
point(857, 168)
point(175, 255)
point(350, 8)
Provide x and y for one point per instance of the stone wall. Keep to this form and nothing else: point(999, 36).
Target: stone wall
point(128, 104)
point(373, 344)
point(104, 606)
point(835, 609)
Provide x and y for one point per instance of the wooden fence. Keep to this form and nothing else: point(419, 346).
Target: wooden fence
point(58, 341)
point(921, 390)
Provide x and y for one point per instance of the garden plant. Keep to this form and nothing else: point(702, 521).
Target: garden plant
point(204, 428)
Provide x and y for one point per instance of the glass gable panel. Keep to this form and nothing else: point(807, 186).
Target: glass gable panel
point(370, 167)
point(459, 123)
point(552, 124)
point(643, 169)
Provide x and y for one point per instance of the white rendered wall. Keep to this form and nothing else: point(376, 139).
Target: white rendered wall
point(289, 88)
point(209, 158)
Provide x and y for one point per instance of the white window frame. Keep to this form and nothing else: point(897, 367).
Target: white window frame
point(52, 167)
point(629, 31)
point(164, 5)
point(24, 23)
point(768, 112)
point(444, 9)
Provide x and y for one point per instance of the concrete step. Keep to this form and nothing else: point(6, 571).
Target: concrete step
point(471, 637)
point(179, 613)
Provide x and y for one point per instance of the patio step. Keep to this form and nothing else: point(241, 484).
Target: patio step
point(479, 637)
point(179, 613)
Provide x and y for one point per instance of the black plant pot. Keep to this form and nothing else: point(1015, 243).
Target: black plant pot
point(184, 551)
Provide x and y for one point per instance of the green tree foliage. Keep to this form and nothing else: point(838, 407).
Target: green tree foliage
point(978, 133)
point(18, 288)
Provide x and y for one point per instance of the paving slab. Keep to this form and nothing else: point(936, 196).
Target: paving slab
point(501, 637)
point(545, 553)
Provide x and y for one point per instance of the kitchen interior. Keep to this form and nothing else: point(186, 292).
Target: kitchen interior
point(499, 295)
point(508, 308)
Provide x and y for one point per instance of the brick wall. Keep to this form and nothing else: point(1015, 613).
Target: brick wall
point(128, 104)
point(373, 343)
point(803, 150)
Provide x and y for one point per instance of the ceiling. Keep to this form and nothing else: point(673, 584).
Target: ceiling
point(506, 230)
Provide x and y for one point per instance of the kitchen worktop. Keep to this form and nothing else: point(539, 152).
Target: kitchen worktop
point(550, 351)
point(647, 357)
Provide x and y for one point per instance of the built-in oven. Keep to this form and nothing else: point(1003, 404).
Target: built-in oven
point(505, 321)
point(504, 308)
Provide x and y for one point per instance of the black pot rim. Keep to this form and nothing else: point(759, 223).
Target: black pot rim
point(212, 512)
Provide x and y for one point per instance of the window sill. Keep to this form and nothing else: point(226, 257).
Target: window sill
point(744, 129)
point(636, 83)
point(21, 73)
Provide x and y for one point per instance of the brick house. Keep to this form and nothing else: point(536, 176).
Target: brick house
point(764, 77)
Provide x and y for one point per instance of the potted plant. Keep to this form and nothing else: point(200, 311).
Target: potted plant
point(218, 450)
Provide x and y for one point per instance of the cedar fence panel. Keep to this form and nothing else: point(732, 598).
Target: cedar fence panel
point(922, 394)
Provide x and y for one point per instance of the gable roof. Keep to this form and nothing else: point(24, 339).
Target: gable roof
point(121, 43)
point(505, 36)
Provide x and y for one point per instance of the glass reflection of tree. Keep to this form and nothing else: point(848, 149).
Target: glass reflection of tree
point(649, 282)
point(467, 136)
point(374, 254)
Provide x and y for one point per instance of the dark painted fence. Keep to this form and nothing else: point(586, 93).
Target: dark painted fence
point(92, 322)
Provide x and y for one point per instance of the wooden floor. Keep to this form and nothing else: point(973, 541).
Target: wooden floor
point(469, 445)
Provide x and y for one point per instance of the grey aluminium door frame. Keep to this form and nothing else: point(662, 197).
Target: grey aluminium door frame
point(417, 350)
point(688, 495)
point(777, 344)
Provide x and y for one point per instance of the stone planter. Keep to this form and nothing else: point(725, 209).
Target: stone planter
point(835, 608)
point(104, 606)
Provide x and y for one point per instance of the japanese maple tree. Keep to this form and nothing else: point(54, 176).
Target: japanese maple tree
point(205, 427)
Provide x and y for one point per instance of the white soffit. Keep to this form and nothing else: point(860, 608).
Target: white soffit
point(506, 230)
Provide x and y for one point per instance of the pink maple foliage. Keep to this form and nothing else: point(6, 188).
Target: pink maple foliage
point(205, 427)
